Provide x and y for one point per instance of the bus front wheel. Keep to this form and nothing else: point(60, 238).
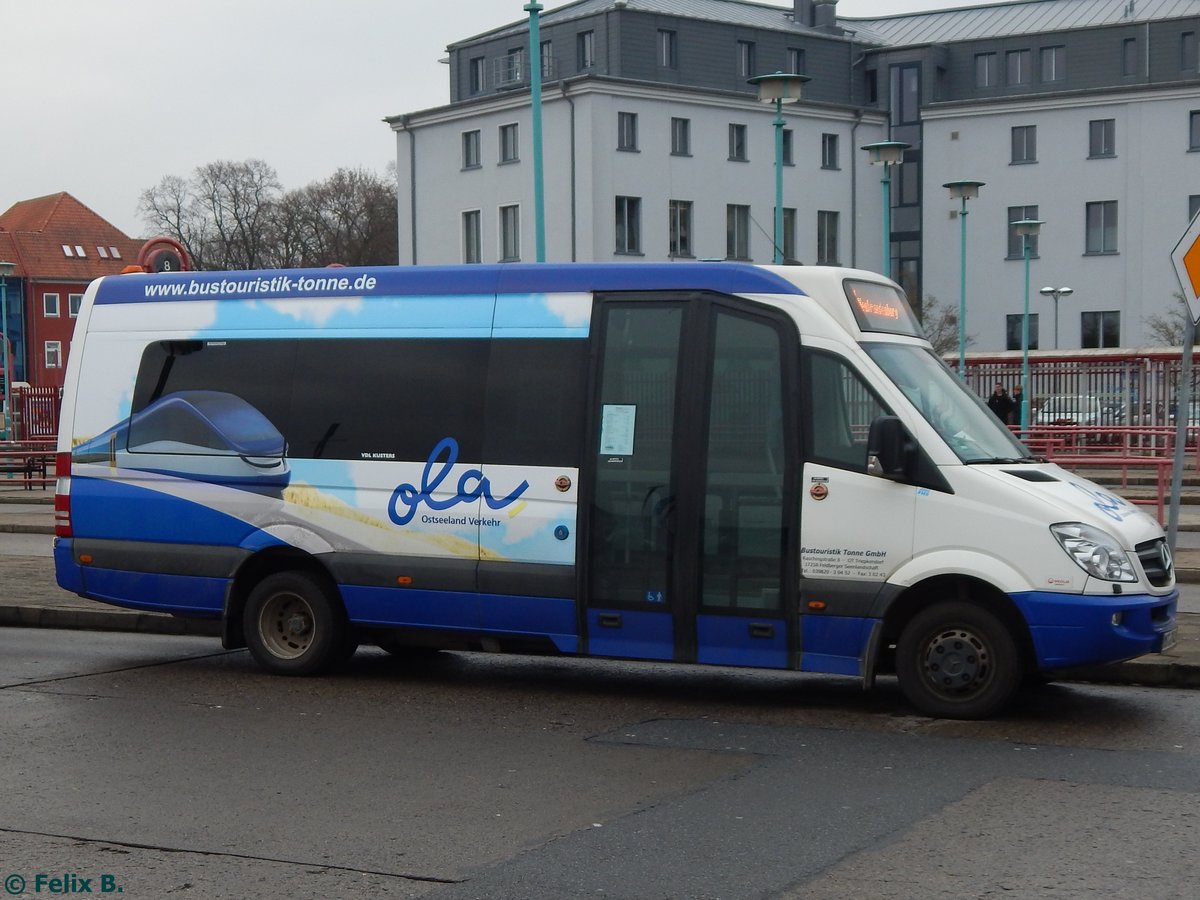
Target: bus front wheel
point(958, 661)
point(294, 624)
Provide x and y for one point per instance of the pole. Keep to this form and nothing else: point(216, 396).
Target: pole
point(778, 181)
point(535, 103)
point(1056, 320)
point(886, 181)
point(1183, 415)
point(1025, 343)
point(962, 291)
point(4, 356)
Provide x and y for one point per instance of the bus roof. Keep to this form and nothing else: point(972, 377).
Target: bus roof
point(512, 278)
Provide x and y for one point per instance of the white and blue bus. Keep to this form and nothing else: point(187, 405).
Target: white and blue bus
point(703, 463)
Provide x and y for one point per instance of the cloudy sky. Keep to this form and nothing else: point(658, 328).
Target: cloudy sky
point(104, 98)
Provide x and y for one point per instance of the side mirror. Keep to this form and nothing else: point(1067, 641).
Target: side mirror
point(890, 449)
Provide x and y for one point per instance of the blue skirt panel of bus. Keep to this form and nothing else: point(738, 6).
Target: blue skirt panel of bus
point(115, 510)
point(739, 641)
point(833, 644)
point(188, 595)
point(1073, 630)
point(464, 611)
point(631, 634)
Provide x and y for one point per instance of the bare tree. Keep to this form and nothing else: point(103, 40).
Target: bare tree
point(1167, 329)
point(236, 216)
point(940, 324)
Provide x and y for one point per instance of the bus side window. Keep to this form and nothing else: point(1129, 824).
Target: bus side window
point(840, 409)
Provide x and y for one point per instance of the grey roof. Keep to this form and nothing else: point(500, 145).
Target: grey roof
point(1001, 19)
point(1019, 17)
point(737, 12)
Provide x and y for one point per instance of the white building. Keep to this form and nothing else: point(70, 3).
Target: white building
point(1084, 114)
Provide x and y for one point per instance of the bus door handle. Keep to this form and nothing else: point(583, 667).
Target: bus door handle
point(610, 620)
point(762, 630)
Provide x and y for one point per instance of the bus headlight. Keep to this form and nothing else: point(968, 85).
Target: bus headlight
point(1094, 551)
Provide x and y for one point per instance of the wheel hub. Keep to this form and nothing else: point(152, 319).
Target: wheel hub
point(956, 660)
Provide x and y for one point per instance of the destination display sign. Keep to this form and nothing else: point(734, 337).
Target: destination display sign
point(881, 307)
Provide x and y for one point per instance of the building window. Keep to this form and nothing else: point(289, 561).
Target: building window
point(629, 225)
point(1129, 56)
point(789, 235)
point(1102, 137)
point(1100, 329)
point(795, 60)
point(789, 142)
point(74, 301)
point(1024, 144)
point(509, 143)
point(1054, 63)
point(477, 76)
point(510, 68)
point(681, 137)
point(470, 150)
point(985, 70)
point(679, 215)
point(827, 238)
point(737, 231)
point(1194, 130)
point(50, 305)
point(471, 245)
point(627, 131)
point(668, 49)
point(1193, 206)
point(1016, 249)
point(1012, 332)
point(829, 151)
point(546, 57)
point(1187, 51)
point(585, 49)
point(53, 354)
point(747, 67)
point(1019, 64)
point(1102, 227)
point(737, 142)
point(510, 233)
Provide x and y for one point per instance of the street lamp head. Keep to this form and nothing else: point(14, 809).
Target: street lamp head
point(1028, 227)
point(783, 87)
point(964, 190)
point(6, 269)
point(886, 153)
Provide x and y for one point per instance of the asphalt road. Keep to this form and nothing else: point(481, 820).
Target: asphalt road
point(170, 766)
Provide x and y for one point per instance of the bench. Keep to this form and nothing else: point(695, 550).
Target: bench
point(28, 463)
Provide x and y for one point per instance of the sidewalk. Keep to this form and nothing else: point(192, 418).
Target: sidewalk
point(31, 598)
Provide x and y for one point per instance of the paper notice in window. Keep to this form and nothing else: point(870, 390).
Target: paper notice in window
point(616, 429)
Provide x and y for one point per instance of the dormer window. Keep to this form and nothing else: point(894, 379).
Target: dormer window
point(79, 251)
point(114, 252)
point(103, 254)
point(67, 250)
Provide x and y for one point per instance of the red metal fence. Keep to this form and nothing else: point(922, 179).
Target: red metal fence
point(35, 412)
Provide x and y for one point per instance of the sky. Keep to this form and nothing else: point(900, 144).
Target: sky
point(104, 98)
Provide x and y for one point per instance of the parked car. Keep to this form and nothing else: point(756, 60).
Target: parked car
point(1071, 409)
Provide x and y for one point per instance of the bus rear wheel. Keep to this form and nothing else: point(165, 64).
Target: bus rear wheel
point(294, 624)
point(957, 661)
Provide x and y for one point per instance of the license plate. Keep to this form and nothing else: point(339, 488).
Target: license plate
point(1168, 640)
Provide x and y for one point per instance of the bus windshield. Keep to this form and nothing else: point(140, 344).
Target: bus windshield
point(960, 417)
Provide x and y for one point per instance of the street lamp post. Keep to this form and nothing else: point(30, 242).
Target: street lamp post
point(964, 191)
point(778, 88)
point(1027, 229)
point(1056, 293)
point(886, 154)
point(535, 110)
point(5, 270)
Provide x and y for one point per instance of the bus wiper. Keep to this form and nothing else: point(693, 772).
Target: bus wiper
point(1004, 460)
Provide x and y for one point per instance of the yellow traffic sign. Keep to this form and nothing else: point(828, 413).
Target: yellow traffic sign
point(1186, 257)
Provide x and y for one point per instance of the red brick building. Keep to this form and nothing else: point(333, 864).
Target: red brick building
point(57, 247)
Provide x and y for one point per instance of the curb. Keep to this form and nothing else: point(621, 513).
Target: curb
point(1149, 674)
point(106, 620)
point(23, 528)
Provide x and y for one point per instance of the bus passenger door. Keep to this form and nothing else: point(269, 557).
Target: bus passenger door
point(690, 518)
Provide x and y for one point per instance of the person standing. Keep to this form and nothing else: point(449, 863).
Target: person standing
point(1000, 403)
point(1014, 416)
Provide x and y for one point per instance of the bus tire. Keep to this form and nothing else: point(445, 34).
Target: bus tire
point(295, 625)
point(956, 660)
